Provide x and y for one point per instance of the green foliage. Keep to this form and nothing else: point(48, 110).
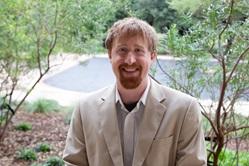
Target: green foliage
point(202, 43)
point(236, 120)
point(3, 112)
point(162, 44)
point(27, 154)
point(22, 24)
point(155, 12)
point(2, 120)
point(54, 161)
point(43, 147)
point(43, 106)
point(3, 117)
point(214, 55)
point(23, 126)
point(121, 10)
point(189, 5)
point(85, 24)
point(231, 121)
point(28, 32)
point(229, 158)
point(174, 41)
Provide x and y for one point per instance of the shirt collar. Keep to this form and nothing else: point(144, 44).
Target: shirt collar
point(142, 99)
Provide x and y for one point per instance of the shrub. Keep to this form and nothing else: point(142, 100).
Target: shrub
point(27, 154)
point(4, 110)
point(54, 161)
point(162, 48)
point(2, 120)
point(43, 147)
point(228, 158)
point(23, 126)
point(43, 106)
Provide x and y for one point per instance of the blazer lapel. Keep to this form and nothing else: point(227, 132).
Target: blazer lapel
point(109, 126)
point(153, 115)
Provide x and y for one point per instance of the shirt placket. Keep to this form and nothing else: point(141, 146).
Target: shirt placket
point(129, 138)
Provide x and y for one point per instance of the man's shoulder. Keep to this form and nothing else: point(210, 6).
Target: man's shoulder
point(177, 93)
point(171, 93)
point(96, 95)
point(178, 102)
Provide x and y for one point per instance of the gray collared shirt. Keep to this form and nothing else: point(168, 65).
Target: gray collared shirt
point(129, 124)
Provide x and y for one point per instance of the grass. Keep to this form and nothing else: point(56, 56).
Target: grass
point(43, 106)
point(54, 161)
point(231, 158)
point(43, 147)
point(50, 161)
point(27, 154)
point(23, 126)
point(2, 120)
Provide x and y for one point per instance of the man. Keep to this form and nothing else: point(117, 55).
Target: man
point(136, 122)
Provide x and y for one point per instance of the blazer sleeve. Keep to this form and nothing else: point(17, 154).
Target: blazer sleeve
point(75, 148)
point(191, 148)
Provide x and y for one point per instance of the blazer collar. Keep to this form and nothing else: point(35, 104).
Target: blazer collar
point(109, 126)
point(153, 114)
point(152, 117)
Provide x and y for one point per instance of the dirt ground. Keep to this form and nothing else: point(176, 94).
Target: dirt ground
point(49, 128)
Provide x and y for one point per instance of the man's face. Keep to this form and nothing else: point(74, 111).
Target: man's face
point(131, 59)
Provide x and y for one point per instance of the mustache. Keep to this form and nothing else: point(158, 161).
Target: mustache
point(134, 65)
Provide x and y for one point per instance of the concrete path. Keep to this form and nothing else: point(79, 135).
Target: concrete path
point(67, 97)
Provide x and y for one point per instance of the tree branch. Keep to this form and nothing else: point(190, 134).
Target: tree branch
point(241, 56)
point(236, 129)
point(223, 65)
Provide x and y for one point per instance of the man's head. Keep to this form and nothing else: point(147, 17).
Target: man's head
point(129, 27)
point(131, 45)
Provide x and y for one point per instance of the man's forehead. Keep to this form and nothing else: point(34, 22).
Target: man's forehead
point(124, 38)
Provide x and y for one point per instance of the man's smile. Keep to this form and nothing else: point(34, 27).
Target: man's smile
point(132, 71)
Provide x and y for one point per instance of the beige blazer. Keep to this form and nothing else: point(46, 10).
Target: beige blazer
point(170, 132)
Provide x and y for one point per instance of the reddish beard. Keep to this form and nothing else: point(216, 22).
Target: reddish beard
point(130, 82)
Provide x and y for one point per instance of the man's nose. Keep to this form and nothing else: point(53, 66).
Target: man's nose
point(130, 59)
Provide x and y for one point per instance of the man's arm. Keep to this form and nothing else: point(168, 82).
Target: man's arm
point(191, 148)
point(75, 149)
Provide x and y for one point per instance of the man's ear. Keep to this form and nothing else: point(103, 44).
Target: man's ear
point(153, 55)
point(109, 53)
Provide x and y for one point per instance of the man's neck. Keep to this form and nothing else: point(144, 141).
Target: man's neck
point(132, 95)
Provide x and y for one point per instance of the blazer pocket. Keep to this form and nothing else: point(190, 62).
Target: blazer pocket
point(163, 139)
point(160, 151)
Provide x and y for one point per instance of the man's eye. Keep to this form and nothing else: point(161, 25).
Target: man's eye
point(122, 50)
point(138, 50)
